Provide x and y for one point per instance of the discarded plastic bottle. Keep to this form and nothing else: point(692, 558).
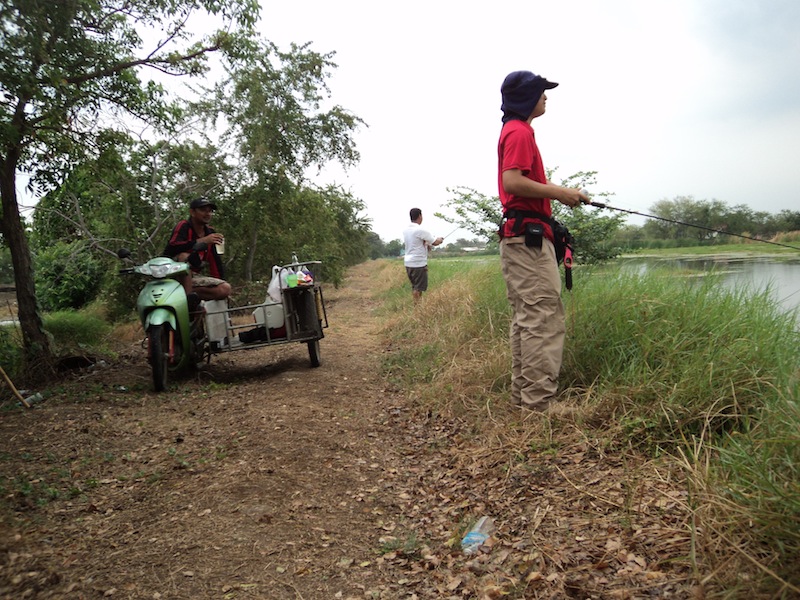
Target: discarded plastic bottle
point(478, 535)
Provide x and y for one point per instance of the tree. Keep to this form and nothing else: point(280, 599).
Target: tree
point(129, 195)
point(394, 248)
point(67, 66)
point(475, 212)
point(481, 215)
point(272, 101)
point(685, 209)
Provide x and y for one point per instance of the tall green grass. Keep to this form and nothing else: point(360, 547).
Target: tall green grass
point(689, 368)
point(74, 330)
point(677, 357)
point(673, 366)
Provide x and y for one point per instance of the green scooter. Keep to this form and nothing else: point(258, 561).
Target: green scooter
point(176, 337)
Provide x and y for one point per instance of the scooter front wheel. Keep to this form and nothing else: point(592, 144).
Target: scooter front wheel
point(158, 339)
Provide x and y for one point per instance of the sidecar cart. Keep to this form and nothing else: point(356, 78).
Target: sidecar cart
point(300, 316)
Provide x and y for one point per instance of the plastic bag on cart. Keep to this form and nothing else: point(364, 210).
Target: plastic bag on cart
point(274, 287)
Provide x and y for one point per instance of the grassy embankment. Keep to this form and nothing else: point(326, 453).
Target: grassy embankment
point(678, 370)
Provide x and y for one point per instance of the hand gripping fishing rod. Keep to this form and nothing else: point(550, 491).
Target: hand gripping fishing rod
point(633, 212)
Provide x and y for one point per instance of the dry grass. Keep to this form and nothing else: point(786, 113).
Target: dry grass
point(453, 346)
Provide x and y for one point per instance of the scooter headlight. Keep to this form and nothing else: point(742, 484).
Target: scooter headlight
point(161, 267)
point(159, 271)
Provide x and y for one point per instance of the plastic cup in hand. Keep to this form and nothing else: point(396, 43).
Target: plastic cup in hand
point(221, 247)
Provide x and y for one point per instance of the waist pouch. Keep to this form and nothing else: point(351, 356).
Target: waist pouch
point(562, 238)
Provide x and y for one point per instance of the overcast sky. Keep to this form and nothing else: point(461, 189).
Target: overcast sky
point(662, 98)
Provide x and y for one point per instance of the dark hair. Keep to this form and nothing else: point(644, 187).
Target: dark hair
point(415, 214)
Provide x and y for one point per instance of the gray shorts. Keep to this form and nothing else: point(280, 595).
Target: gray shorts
point(418, 276)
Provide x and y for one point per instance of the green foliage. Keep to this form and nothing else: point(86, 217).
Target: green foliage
point(76, 330)
point(316, 224)
point(73, 61)
point(67, 276)
point(130, 195)
point(6, 268)
point(271, 101)
point(68, 72)
point(10, 349)
point(761, 472)
point(119, 294)
point(663, 363)
point(394, 248)
point(691, 357)
point(593, 231)
point(475, 212)
point(71, 331)
point(707, 215)
point(380, 249)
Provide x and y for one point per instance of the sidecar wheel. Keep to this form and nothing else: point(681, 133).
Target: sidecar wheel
point(159, 355)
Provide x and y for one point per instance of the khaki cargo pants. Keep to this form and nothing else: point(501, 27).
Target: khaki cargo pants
point(533, 285)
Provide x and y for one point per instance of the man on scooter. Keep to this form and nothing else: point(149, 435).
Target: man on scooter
point(190, 231)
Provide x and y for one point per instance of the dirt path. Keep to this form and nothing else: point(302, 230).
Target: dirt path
point(263, 478)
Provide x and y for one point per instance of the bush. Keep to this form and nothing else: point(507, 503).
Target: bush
point(74, 330)
point(67, 276)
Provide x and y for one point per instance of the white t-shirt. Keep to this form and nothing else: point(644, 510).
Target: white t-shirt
point(416, 251)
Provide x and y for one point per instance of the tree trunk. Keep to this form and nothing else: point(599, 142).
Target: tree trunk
point(38, 354)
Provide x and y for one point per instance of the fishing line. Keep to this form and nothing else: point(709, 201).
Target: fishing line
point(746, 237)
point(782, 300)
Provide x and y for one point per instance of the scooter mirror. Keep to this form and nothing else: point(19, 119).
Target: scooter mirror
point(123, 253)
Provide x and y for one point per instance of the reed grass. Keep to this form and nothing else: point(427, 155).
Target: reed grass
point(677, 357)
point(668, 366)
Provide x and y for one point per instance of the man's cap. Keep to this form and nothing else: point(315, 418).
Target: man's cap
point(201, 202)
point(521, 91)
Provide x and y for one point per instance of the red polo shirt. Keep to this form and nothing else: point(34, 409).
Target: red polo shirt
point(517, 149)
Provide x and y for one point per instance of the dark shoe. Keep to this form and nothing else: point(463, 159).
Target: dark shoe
point(254, 335)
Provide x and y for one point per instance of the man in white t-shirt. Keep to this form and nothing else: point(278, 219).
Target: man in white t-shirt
point(418, 242)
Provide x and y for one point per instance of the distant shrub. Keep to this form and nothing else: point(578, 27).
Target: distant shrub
point(67, 276)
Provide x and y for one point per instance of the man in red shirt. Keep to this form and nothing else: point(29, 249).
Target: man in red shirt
point(197, 229)
point(527, 251)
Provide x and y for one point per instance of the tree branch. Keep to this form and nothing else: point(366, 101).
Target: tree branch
point(149, 62)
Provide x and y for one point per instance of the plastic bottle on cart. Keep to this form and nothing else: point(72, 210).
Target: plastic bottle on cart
point(478, 535)
point(291, 278)
point(294, 259)
point(285, 277)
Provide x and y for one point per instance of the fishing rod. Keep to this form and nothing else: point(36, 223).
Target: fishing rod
point(451, 233)
point(633, 212)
